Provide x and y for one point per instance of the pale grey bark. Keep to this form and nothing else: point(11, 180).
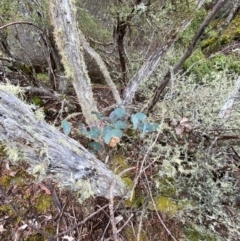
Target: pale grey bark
point(152, 63)
point(51, 153)
point(68, 37)
point(102, 68)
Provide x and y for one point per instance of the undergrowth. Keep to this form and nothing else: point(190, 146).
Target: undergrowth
point(198, 156)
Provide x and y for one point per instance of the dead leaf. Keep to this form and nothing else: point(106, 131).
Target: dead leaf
point(179, 130)
point(24, 226)
point(68, 238)
point(11, 173)
point(183, 126)
point(45, 189)
point(114, 141)
point(118, 219)
point(2, 229)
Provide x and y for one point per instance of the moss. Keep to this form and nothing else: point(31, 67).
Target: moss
point(165, 204)
point(90, 26)
point(192, 234)
point(37, 101)
point(19, 179)
point(201, 66)
point(43, 77)
point(5, 181)
point(6, 209)
point(131, 234)
point(119, 163)
point(44, 202)
point(208, 42)
point(35, 237)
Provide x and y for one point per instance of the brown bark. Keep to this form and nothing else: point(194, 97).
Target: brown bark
point(60, 157)
point(187, 54)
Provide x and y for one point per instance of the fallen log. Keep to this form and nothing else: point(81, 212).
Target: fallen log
point(50, 153)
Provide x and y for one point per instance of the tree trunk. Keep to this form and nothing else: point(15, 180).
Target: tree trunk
point(152, 63)
point(187, 54)
point(50, 153)
point(68, 37)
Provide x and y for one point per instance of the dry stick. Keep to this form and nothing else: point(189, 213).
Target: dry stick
point(20, 22)
point(187, 54)
point(111, 204)
point(155, 207)
point(140, 227)
point(141, 168)
point(82, 222)
point(112, 218)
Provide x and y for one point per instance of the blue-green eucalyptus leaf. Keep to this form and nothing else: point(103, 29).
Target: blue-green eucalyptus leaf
point(82, 128)
point(112, 133)
point(94, 133)
point(120, 125)
point(66, 127)
point(98, 115)
point(138, 118)
point(95, 145)
point(117, 114)
point(149, 127)
point(106, 129)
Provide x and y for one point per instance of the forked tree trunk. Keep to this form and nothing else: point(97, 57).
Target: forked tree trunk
point(50, 153)
point(187, 53)
point(152, 63)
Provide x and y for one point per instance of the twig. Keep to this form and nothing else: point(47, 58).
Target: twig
point(82, 222)
point(140, 227)
point(112, 218)
point(21, 22)
point(111, 204)
point(155, 207)
point(141, 167)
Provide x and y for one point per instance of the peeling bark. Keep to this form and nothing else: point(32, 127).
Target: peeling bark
point(60, 157)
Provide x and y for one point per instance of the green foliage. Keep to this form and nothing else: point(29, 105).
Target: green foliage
point(91, 26)
point(111, 127)
point(44, 202)
point(66, 127)
point(192, 168)
point(37, 101)
point(194, 235)
point(8, 10)
point(199, 66)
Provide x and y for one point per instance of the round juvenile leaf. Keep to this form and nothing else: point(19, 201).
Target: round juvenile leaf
point(95, 145)
point(112, 133)
point(82, 128)
point(120, 125)
point(149, 127)
point(106, 129)
point(66, 127)
point(137, 118)
point(118, 113)
point(94, 132)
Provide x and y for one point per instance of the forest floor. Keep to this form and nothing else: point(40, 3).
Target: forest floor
point(40, 210)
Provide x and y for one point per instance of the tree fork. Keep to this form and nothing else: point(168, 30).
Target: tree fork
point(187, 54)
